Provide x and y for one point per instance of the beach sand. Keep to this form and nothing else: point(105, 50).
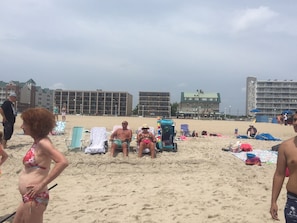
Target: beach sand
point(199, 183)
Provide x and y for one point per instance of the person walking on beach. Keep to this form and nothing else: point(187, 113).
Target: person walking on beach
point(8, 113)
point(3, 154)
point(286, 160)
point(63, 113)
point(121, 138)
point(37, 172)
point(56, 112)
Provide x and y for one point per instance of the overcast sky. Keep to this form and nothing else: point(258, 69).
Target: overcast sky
point(149, 45)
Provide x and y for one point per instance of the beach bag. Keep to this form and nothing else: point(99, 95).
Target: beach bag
point(275, 147)
point(246, 147)
point(253, 161)
point(204, 133)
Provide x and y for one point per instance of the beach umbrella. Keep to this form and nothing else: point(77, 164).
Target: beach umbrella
point(289, 112)
point(255, 110)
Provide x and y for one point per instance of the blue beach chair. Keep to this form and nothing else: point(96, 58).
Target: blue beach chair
point(75, 142)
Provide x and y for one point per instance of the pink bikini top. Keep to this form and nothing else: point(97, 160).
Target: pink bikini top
point(29, 159)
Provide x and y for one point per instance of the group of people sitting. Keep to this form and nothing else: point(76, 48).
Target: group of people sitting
point(122, 137)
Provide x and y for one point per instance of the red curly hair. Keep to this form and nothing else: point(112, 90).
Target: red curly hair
point(40, 120)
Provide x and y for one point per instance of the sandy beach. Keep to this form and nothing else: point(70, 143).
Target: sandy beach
point(199, 183)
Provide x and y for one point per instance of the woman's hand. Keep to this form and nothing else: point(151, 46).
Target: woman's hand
point(34, 189)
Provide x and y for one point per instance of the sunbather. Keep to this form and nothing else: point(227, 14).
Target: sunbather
point(146, 139)
point(252, 131)
point(121, 138)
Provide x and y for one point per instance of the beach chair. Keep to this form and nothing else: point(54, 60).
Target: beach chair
point(76, 140)
point(185, 130)
point(146, 150)
point(98, 142)
point(59, 128)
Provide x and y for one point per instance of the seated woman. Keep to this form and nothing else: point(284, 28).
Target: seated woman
point(146, 139)
point(252, 131)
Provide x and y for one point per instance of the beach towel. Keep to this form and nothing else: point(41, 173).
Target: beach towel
point(266, 156)
point(242, 137)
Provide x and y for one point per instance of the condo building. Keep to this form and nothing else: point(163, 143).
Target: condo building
point(270, 97)
point(154, 104)
point(94, 102)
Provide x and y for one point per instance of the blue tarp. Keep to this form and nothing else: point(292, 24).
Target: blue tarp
point(262, 136)
point(266, 136)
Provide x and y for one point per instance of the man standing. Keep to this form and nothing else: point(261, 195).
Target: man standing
point(8, 112)
point(56, 112)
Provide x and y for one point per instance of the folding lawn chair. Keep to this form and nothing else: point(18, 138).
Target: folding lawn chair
point(98, 143)
point(185, 130)
point(75, 142)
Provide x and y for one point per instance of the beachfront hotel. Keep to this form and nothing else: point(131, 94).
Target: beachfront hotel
point(154, 104)
point(199, 104)
point(270, 97)
point(94, 102)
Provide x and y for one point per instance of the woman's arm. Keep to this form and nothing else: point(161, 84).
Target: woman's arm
point(60, 160)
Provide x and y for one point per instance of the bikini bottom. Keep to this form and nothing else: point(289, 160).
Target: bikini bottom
point(41, 198)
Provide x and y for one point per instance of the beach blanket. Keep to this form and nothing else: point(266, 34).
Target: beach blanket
point(266, 136)
point(262, 136)
point(266, 156)
point(242, 137)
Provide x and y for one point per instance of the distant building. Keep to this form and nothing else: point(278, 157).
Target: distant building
point(270, 97)
point(94, 102)
point(199, 104)
point(26, 93)
point(154, 104)
point(44, 98)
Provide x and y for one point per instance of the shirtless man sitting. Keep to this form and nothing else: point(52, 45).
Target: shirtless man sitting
point(121, 138)
point(146, 139)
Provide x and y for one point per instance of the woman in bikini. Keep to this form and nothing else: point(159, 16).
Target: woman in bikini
point(146, 139)
point(36, 174)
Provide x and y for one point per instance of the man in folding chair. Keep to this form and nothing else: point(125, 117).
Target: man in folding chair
point(121, 138)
